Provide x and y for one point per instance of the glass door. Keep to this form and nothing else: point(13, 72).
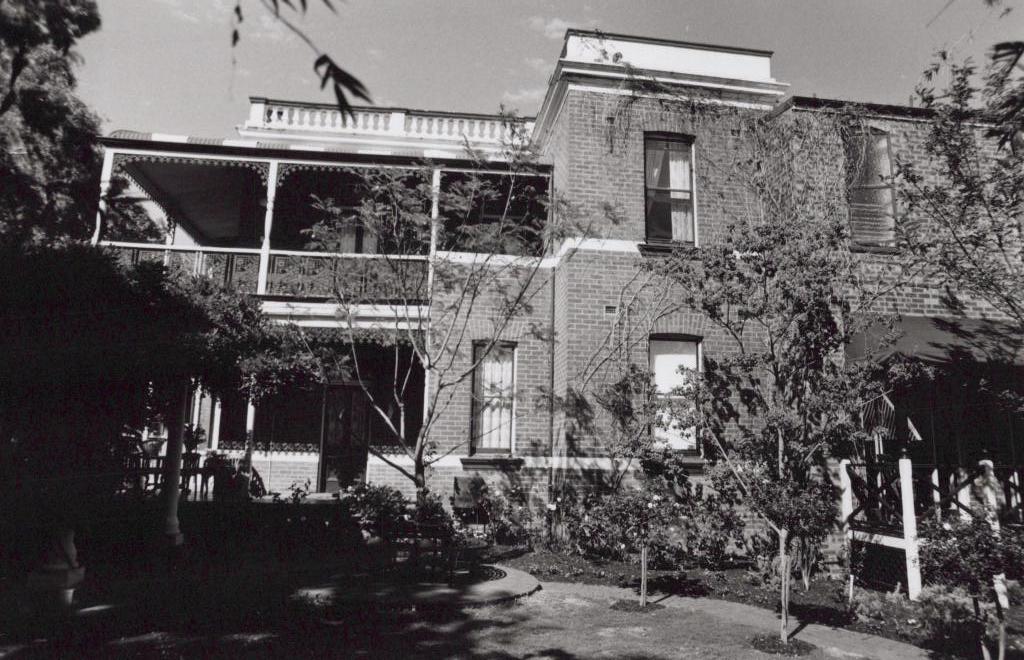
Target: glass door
point(343, 454)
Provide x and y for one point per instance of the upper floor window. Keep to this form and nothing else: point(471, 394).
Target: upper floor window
point(491, 212)
point(669, 185)
point(673, 361)
point(872, 197)
point(494, 387)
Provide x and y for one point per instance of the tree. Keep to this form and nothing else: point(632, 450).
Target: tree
point(469, 253)
point(144, 338)
point(781, 286)
point(964, 206)
point(49, 162)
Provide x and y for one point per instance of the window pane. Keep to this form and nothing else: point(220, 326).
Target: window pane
point(878, 155)
point(493, 399)
point(871, 216)
point(669, 216)
point(869, 159)
point(666, 359)
point(657, 166)
point(668, 165)
point(667, 356)
point(679, 170)
point(672, 433)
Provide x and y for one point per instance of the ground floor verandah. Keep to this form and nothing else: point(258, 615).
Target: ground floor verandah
point(947, 440)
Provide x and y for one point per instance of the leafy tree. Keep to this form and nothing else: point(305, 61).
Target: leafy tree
point(143, 339)
point(49, 162)
point(964, 203)
point(781, 286)
point(474, 275)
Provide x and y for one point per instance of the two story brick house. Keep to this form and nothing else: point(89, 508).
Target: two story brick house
point(634, 161)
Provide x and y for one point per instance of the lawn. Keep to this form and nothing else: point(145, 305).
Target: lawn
point(824, 603)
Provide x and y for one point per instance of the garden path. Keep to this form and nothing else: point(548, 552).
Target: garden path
point(834, 642)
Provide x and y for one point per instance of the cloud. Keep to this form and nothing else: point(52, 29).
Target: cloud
point(375, 53)
point(538, 64)
point(552, 28)
point(199, 11)
point(525, 95)
point(180, 11)
point(265, 28)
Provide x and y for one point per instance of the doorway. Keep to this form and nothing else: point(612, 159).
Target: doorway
point(344, 439)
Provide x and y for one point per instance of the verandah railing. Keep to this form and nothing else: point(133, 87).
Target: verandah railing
point(360, 277)
point(882, 501)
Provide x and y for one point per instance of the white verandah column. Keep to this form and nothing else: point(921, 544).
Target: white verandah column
point(101, 210)
point(435, 214)
point(268, 221)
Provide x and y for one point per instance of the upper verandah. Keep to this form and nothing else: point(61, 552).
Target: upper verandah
point(320, 131)
point(382, 131)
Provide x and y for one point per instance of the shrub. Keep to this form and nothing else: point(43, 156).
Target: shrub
point(375, 508)
point(762, 550)
point(509, 517)
point(616, 526)
point(948, 618)
point(875, 606)
point(712, 528)
point(429, 510)
point(961, 558)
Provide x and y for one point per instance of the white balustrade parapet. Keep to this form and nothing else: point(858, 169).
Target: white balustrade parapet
point(289, 117)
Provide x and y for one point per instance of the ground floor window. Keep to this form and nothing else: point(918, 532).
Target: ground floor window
point(493, 397)
point(673, 361)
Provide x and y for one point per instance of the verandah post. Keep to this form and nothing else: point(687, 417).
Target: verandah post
point(910, 527)
point(846, 512)
point(268, 221)
point(101, 210)
point(846, 496)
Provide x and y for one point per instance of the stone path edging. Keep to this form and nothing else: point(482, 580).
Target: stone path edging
point(514, 585)
point(834, 642)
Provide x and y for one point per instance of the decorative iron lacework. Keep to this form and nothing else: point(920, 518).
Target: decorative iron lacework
point(288, 448)
point(121, 159)
point(389, 449)
point(284, 169)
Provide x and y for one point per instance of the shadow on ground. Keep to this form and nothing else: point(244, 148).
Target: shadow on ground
point(252, 613)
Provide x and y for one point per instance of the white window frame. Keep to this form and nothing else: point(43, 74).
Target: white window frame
point(474, 412)
point(691, 141)
point(698, 344)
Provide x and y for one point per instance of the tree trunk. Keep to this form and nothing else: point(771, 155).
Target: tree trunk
point(171, 493)
point(784, 588)
point(643, 576)
point(420, 479)
point(1001, 616)
point(981, 636)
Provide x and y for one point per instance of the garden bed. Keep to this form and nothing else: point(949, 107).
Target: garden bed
point(824, 603)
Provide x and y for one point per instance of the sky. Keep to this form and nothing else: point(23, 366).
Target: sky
point(168, 66)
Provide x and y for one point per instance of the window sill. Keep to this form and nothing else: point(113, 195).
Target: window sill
point(659, 248)
point(866, 248)
point(691, 461)
point(491, 461)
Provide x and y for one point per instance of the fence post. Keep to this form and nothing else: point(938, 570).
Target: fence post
point(963, 493)
point(846, 496)
point(1015, 499)
point(910, 527)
